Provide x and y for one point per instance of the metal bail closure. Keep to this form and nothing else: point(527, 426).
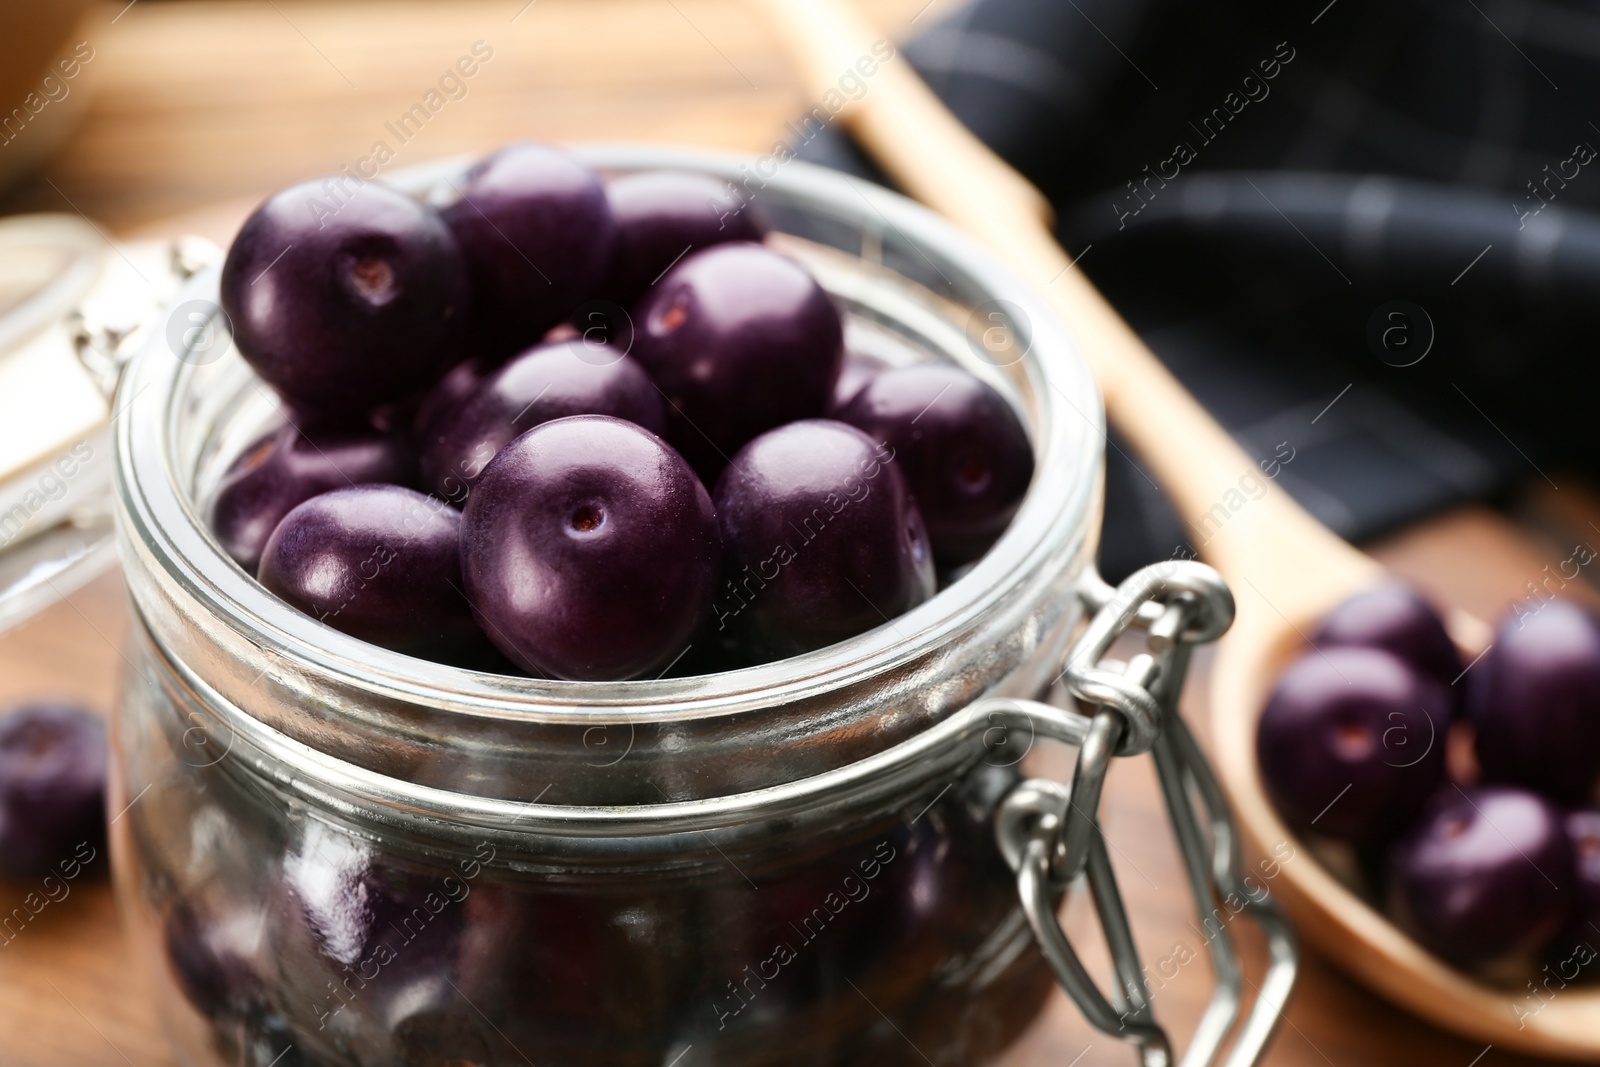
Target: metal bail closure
point(1050, 833)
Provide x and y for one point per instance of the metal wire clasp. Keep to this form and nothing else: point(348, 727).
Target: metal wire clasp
point(1050, 833)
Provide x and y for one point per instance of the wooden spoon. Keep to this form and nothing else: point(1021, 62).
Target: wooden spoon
point(1286, 569)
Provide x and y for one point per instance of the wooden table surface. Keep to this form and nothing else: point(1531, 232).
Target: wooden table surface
point(200, 108)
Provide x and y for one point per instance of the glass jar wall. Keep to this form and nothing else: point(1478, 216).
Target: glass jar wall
point(334, 854)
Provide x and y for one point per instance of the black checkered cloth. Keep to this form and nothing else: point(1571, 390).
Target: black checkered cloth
point(1367, 232)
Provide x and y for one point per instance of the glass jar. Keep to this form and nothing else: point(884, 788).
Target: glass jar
point(334, 854)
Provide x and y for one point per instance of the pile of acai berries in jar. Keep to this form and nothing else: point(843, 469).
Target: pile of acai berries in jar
point(543, 423)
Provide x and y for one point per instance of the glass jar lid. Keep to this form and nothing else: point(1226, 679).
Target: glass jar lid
point(72, 305)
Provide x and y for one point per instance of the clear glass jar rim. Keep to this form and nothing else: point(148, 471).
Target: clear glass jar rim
point(161, 524)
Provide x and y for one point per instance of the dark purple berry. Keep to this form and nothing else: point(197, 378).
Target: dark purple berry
point(661, 217)
point(269, 1041)
point(441, 1029)
point(378, 562)
point(1535, 700)
point(346, 901)
point(536, 232)
point(548, 382)
point(1487, 876)
point(740, 339)
point(342, 909)
point(1352, 743)
point(596, 323)
point(1391, 616)
point(715, 651)
point(215, 959)
point(52, 787)
point(290, 466)
point(961, 446)
point(458, 383)
point(344, 302)
point(822, 539)
point(853, 377)
point(590, 550)
point(1583, 831)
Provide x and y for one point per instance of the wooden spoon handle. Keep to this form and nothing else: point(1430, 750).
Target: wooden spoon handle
point(938, 160)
